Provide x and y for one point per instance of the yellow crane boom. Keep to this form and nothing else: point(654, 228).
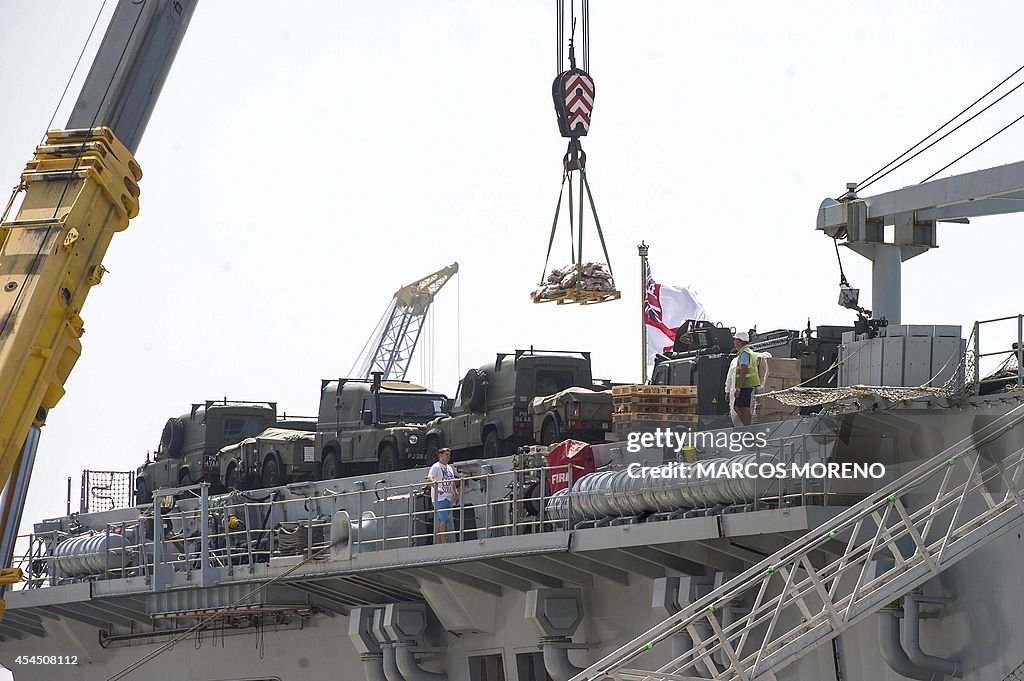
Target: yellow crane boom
point(79, 189)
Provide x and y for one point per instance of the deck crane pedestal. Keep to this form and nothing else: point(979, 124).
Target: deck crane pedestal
point(394, 340)
point(914, 213)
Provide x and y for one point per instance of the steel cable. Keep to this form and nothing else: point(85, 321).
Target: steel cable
point(586, 35)
point(78, 62)
point(976, 146)
point(950, 132)
point(364, 360)
point(871, 179)
point(559, 34)
point(21, 185)
point(43, 242)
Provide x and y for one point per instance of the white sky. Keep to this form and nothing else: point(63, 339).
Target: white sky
point(306, 159)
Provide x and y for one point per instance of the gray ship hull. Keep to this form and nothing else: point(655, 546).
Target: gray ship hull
point(477, 590)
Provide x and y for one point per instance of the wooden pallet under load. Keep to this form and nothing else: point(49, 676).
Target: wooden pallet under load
point(655, 403)
point(647, 419)
point(643, 389)
point(632, 411)
point(580, 296)
point(644, 407)
point(623, 424)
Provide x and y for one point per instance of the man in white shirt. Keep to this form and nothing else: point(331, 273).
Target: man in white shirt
point(443, 491)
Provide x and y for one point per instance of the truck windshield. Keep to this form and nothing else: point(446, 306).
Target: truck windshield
point(410, 407)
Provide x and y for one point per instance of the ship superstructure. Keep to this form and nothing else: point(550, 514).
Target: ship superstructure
point(705, 577)
point(876, 535)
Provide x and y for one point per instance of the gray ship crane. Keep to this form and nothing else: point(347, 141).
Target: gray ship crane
point(395, 338)
point(914, 212)
point(755, 582)
point(79, 190)
point(883, 549)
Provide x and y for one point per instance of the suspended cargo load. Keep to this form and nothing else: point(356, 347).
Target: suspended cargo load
point(573, 94)
point(564, 285)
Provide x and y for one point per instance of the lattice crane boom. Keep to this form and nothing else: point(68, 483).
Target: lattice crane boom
point(394, 341)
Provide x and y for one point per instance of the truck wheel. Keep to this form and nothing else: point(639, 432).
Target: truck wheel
point(433, 447)
point(173, 437)
point(271, 472)
point(549, 435)
point(388, 459)
point(143, 495)
point(472, 390)
point(492, 445)
point(233, 480)
point(331, 468)
point(184, 480)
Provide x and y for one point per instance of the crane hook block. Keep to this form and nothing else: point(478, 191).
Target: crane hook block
point(573, 92)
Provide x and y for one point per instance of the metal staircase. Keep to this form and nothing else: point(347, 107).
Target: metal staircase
point(849, 568)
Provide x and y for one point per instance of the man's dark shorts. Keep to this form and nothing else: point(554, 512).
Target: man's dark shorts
point(743, 399)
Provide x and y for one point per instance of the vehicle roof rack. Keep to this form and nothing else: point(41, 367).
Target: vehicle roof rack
point(225, 402)
point(532, 351)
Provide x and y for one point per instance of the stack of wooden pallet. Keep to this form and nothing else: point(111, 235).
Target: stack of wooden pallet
point(645, 407)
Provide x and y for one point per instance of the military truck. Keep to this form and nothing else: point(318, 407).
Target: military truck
point(575, 413)
point(373, 425)
point(189, 444)
point(492, 415)
point(274, 457)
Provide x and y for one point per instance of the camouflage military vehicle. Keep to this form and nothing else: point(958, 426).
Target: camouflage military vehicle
point(493, 413)
point(367, 425)
point(189, 444)
point(574, 413)
point(274, 457)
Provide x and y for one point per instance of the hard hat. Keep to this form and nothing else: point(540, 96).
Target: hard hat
point(742, 335)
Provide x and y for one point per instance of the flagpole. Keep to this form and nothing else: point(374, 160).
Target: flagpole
point(642, 249)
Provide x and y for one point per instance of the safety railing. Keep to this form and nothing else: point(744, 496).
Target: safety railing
point(1012, 359)
point(843, 571)
point(233, 533)
point(796, 451)
point(243, 530)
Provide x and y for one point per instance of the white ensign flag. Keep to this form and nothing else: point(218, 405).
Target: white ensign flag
point(665, 309)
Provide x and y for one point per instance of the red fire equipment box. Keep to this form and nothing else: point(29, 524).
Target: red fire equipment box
point(561, 456)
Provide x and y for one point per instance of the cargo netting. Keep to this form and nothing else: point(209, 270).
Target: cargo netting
point(106, 490)
point(809, 397)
